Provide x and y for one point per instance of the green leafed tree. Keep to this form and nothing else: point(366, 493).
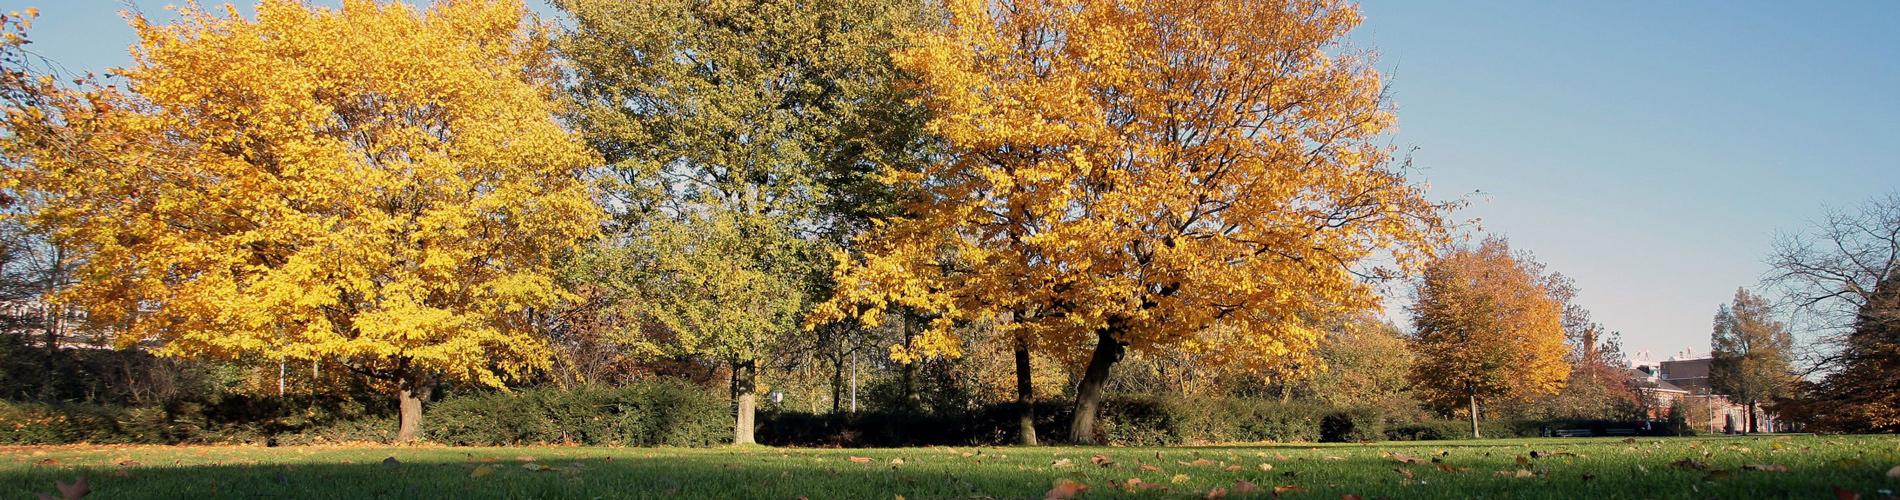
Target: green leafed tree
point(744, 136)
point(1753, 353)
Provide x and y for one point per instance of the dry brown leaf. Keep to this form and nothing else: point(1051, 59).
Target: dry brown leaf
point(1179, 478)
point(1690, 464)
point(1065, 489)
point(1445, 467)
point(1894, 472)
point(1196, 463)
point(1233, 468)
point(481, 471)
point(1217, 492)
point(1288, 488)
point(1101, 460)
point(530, 458)
point(1406, 459)
point(1150, 468)
point(1845, 494)
point(861, 460)
point(1265, 466)
point(1349, 496)
point(79, 489)
point(1060, 463)
point(1245, 487)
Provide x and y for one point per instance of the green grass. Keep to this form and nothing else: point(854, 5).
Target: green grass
point(1581, 468)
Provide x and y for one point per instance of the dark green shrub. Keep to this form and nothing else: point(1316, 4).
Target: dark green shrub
point(646, 414)
point(1352, 425)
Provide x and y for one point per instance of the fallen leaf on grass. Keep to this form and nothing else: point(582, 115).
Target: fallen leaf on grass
point(1894, 472)
point(1519, 473)
point(1406, 459)
point(1065, 489)
point(1349, 496)
point(1196, 463)
point(1690, 463)
point(1061, 463)
point(1217, 492)
point(48, 461)
point(1150, 468)
point(536, 467)
point(75, 491)
point(1287, 488)
point(1766, 467)
point(1445, 467)
point(1101, 460)
point(1523, 461)
point(1265, 466)
point(1135, 484)
point(1334, 458)
point(1233, 468)
point(530, 458)
point(1179, 478)
point(1245, 487)
point(1405, 472)
point(861, 460)
point(1845, 494)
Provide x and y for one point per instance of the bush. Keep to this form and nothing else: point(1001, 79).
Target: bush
point(645, 414)
point(1130, 421)
point(1352, 425)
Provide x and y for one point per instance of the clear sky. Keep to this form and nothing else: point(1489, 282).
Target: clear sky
point(1650, 150)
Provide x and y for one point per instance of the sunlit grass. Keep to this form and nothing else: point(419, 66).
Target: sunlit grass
point(1564, 468)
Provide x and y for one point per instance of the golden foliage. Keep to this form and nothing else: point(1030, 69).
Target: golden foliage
point(1488, 326)
point(373, 184)
point(1191, 175)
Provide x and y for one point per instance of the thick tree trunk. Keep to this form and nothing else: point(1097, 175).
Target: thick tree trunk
point(1088, 393)
point(410, 393)
point(744, 378)
point(1472, 399)
point(1025, 397)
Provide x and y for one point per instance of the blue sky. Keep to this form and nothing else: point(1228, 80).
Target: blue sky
point(1650, 150)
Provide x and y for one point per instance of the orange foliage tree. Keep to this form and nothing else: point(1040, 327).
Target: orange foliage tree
point(373, 186)
point(1489, 325)
point(1155, 175)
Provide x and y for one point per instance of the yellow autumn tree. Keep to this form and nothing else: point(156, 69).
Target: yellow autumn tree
point(1151, 174)
point(374, 186)
point(1489, 324)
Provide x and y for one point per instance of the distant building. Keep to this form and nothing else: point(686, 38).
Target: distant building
point(1687, 380)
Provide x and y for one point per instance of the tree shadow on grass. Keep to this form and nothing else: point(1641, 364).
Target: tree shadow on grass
point(1473, 471)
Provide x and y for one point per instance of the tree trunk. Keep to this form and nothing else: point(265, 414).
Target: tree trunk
point(1025, 397)
point(744, 377)
point(410, 393)
point(1088, 393)
point(1472, 398)
point(1752, 405)
point(837, 384)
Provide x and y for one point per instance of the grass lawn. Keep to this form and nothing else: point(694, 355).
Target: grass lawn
point(1564, 468)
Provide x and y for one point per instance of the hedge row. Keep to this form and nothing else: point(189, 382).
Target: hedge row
point(666, 413)
point(648, 414)
point(1124, 422)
